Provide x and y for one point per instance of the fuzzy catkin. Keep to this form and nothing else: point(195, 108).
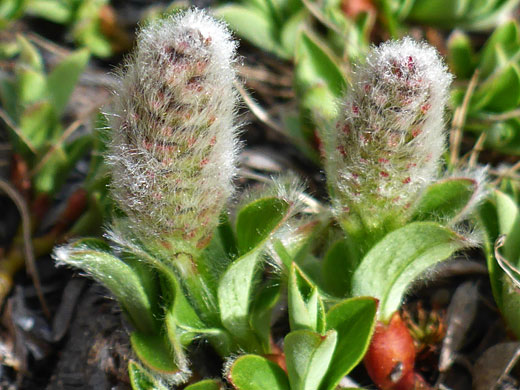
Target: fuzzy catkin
point(174, 143)
point(390, 135)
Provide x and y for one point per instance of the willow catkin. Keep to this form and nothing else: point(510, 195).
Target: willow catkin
point(390, 135)
point(174, 142)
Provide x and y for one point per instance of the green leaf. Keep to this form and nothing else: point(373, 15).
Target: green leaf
point(253, 372)
point(29, 55)
point(63, 78)
point(207, 384)
point(30, 85)
point(291, 30)
point(306, 309)
point(227, 236)
point(338, 266)
point(154, 351)
point(40, 124)
point(504, 42)
point(10, 10)
point(501, 215)
point(353, 320)
point(308, 356)
point(53, 10)
point(500, 92)
point(88, 29)
point(262, 307)
point(254, 25)
point(141, 379)
point(317, 77)
point(444, 200)
point(53, 174)
point(183, 323)
point(399, 258)
point(93, 256)
point(257, 220)
point(234, 298)
point(460, 55)
point(440, 12)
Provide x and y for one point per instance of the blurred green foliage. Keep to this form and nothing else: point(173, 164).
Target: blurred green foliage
point(493, 108)
point(84, 18)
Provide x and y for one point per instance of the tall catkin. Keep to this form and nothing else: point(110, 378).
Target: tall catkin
point(174, 143)
point(390, 135)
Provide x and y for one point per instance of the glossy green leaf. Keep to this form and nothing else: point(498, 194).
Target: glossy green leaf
point(504, 42)
point(318, 77)
point(93, 256)
point(440, 12)
point(338, 267)
point(262, 305)
point(399, 259)
point(501, 215)
point(308, 356)
point(460, 55)
point(53, 174)
point(31, 85)
point(444, 200)
point(53, 10)
point(10, 10)
point(88, 29)
point(227, 236)
point(254, 25)
point(154, 351)
point(63, 78)
point(207, 384)
point(306, 309)
point(253, 372)
point(291, 30)
point(141, 379)
point(500, 92)
point(29, 55)
point(257, 220)
point(234, 297)
point(353, 320)
point(183, 323)
point(508, 215)
point(40, 124)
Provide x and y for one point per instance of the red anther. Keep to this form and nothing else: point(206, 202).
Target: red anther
point(355, 109)
point(425, 108)
point(367, 88)
point(213, 140)
point(384, 174)
point(411, 165)
point(167, 131)
point(407, 180)
point(203, 162)
point(346, 129)
point(416, 132)
point(411, 64)
point(191, 141)
point(342, 150)
point(194, 84)
point(383, 160)
point(396, 69)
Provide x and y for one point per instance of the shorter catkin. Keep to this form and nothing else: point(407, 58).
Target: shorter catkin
point(390, 135)
point(174, 142)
